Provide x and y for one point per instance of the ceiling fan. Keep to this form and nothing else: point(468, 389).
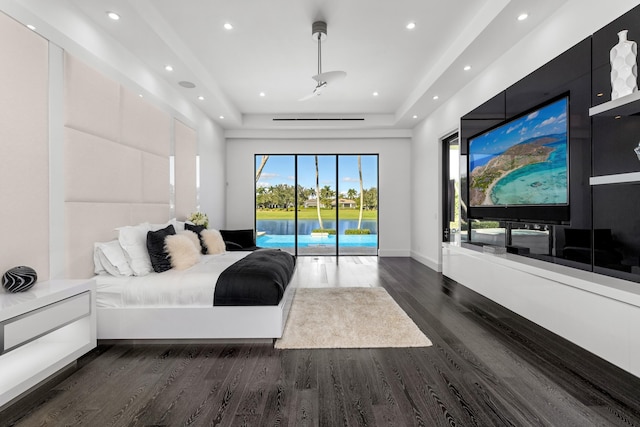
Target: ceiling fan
point(319, 33)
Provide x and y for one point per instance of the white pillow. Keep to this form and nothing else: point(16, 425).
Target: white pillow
point(213, 241)
point(109, 257)
point(97, 264)
point(133, 240)
point(156, 227)
point(182, 251)
point(177, 225)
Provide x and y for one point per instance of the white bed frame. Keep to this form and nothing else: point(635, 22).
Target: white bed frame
point(195, 323)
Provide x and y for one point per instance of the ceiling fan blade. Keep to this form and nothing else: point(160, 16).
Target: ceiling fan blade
point(317, 91)
point(305, 98)
point(329, 76)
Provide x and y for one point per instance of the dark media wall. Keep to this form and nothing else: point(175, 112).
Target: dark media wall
point(603, 233)
point(616, 207)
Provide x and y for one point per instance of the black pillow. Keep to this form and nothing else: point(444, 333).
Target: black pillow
point(243, 238)
point(197, 229)
point(160, 260)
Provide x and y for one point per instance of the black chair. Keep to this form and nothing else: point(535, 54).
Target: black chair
point(239, 240)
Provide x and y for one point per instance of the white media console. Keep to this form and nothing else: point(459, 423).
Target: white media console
point(42, 331)
point(599, 313)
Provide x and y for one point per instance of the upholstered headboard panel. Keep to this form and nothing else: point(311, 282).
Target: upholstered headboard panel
point(80, 154)
point(144, 126)
point(100, 170)
point(117, 149)
point(24, 149)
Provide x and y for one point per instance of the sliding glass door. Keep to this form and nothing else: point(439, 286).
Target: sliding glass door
point(358, 204)
point(317, 204)
point(317, 231)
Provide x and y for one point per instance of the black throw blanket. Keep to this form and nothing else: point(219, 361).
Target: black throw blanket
point(260, 278)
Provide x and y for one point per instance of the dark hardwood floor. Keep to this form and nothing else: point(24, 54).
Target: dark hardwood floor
point(487, 367)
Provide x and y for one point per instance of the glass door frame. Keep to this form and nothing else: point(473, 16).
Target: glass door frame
point(335, 253)
point(447, 197)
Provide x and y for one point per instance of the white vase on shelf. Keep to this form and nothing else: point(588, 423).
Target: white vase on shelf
point(624, 68)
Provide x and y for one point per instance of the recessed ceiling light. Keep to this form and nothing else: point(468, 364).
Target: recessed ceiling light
point(187, 84)
point(113, 16)
point(31, 27)
point(411, 25)
point(435, 97)
point(263, 94)
point(141, 95)
point(415, 117)
point(375, 94)
point(201, 98)
point(467, 67)
point(523, 16)
point(221, 117)
point(228, 26)
point(168, 67)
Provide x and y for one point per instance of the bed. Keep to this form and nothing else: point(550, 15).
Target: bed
point(178, 304)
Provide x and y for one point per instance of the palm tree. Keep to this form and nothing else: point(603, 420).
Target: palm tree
point(262, 163)
point(318, 194)
point(351, 193)
point(361, 192)
point(326, 194)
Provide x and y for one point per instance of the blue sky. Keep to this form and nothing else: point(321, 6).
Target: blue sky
point(551, 119)
point(280, 169)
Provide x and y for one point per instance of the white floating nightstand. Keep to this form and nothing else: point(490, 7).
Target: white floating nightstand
point(42, 331)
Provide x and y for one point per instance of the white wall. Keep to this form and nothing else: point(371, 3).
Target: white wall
point(573, 22)
point(213, 170)
point(394, 180)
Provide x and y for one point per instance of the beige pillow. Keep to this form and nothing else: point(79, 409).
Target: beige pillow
point(192, 236)
point(213, 240)
point(182, 251)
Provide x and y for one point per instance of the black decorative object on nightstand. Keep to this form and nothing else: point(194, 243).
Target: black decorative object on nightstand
point(19, 279)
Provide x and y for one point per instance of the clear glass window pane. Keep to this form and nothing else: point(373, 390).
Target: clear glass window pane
point(275, 201)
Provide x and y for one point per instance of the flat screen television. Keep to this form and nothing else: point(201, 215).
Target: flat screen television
point(519, 170)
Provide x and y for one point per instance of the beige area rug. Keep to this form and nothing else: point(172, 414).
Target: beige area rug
point(348, 318)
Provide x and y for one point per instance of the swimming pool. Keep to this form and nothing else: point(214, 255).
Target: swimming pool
point(304, 241)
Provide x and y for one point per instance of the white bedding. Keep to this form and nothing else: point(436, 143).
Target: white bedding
point(193, 287)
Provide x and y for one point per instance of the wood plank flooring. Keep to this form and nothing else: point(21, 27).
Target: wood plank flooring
point(487, 367)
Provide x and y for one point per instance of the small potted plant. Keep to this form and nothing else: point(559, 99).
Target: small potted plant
point(199, 218)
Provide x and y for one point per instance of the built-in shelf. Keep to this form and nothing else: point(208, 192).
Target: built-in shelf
point(623, 106)
point(619, 178)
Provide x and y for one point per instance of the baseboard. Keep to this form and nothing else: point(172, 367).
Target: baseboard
point(432, 264)
point(393, 253)
point(186, 341)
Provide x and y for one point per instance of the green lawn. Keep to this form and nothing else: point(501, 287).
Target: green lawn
point(312, 213)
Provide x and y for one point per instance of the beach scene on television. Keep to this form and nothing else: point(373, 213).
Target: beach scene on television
point(523, 162)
